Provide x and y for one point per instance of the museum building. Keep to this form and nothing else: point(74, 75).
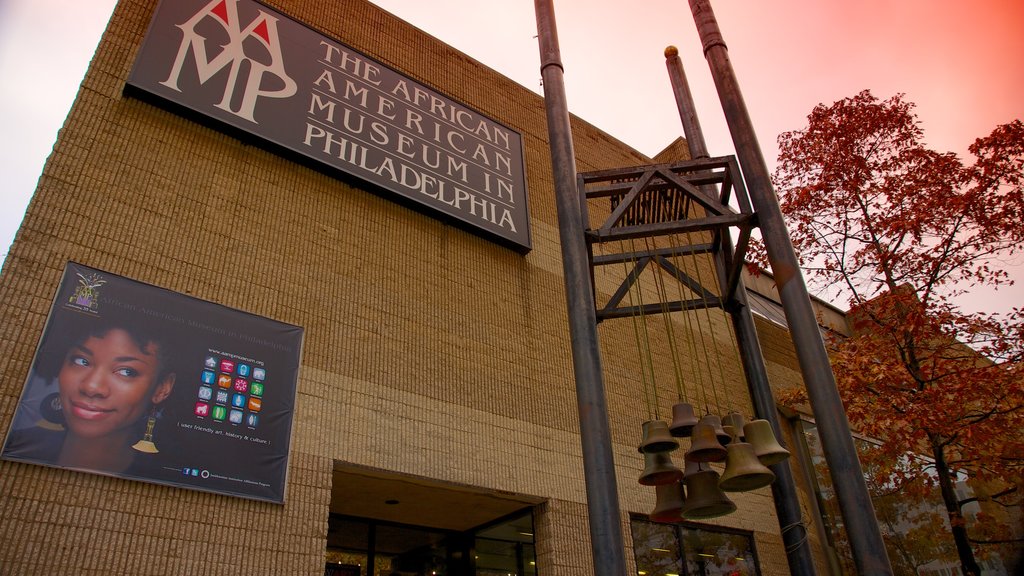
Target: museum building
point(353, 225)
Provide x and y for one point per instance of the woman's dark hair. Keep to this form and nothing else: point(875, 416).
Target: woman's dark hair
point(69, 329)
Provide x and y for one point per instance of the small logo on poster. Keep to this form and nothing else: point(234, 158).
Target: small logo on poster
point(86, 297)
point(245, 70)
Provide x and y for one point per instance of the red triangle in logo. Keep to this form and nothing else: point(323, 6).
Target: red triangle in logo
point(222, 11)
point(261, 31)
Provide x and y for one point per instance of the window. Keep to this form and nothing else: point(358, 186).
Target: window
point(691, 550)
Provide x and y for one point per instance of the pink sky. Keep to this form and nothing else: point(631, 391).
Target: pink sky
point(961, 62)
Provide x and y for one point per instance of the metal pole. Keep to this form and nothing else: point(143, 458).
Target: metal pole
point(851, 491)
point(787, 504)
point(595, 434)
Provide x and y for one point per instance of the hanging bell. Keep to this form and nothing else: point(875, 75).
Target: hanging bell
point(659, 469)
point(734, 419)
point(759, 434)
point(732, 434)
point(669, 507)
point(704, 446)
point(704, 498)
point(743, 471)
point(683, 420)
point(716, 423)
point(656, 437)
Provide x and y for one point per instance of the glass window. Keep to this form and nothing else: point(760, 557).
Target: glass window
point(504, 548)
point(691, 550)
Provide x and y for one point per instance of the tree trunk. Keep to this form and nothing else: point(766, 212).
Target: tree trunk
point(956, 520)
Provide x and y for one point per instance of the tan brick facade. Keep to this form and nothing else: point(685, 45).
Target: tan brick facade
point(428, 351)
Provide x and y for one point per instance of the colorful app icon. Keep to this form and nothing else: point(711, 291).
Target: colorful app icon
point(219, 412)
point(255, 404)
point(202, 409)
point(209, 377)
point(241, 384)
point(195, 471)
point(243, 370)
point(205, 392)
point(256, 389)
point(222, 397)
point(251, 420)
point(227, 366)
point(235, 417)
point(210, 362)
point(224, 381)
point(259, 374)
point(238, 400)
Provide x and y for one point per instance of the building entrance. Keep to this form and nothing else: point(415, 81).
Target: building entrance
point(386, 525)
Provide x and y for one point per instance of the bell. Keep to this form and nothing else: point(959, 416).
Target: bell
point(683, 420)
point(704, 446)
point(669, 507)
point(716, 423)
point(704, 498)
point(734, 419)
point(659, 470)
point(743, 471)
point(732, 434)
point(759, 434)
point(657, 438)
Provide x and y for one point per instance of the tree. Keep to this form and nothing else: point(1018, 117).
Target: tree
point(905, 230)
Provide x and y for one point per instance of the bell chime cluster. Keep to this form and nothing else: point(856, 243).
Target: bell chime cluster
point(698, 490)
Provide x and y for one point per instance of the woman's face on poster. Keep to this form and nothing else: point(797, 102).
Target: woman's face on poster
point(107, 383)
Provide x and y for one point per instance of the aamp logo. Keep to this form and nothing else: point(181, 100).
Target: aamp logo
point(263, 29)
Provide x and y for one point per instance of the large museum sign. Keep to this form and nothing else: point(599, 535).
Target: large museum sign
point(251, 67)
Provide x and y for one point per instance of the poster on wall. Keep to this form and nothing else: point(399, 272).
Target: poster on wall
point(261, 73)
point(135, 381)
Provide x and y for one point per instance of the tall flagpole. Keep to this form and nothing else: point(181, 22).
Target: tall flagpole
point(787, 505)
point(859, 519)
point(595, 434)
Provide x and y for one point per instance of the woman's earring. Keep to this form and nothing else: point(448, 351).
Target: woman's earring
point(146, 444)
point(51, 416)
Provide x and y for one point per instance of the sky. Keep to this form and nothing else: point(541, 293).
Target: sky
point(962, 63)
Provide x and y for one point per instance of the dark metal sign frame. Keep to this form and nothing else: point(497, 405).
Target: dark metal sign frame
point(258, 72)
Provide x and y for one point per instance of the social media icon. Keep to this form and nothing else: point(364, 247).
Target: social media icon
point(235, 417)
point(255, 404)
point(202, 409)
point(224, 381)
point(259, 374)
point(210, 362)
point(195, 471)
point(205, 392)
point(256, 389)
point(209, 377)
point(222, 397)
point(219, 412)
point(251, 420)
point(241, 384)
point(186, 471)
point(243, 370)
point(227, 366)
point(238, 400)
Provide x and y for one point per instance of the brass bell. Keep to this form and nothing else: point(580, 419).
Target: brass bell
point(743, 471)
point(704, 498)
point(716, 423)
point(734, 419)
point(669, 507)
point(683, 420)
point(659, 469)
point(759, 434)
point(704, 446)
point(656, 437)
